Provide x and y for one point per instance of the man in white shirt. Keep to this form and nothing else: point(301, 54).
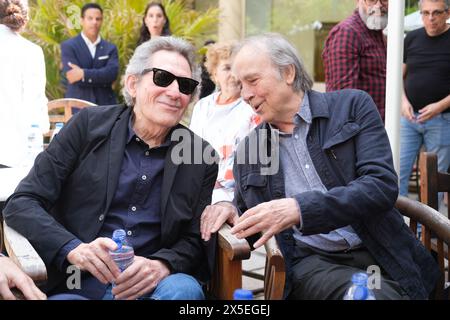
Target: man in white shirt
point(90, 64)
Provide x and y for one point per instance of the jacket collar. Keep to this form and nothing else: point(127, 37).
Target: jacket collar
point(318, 104)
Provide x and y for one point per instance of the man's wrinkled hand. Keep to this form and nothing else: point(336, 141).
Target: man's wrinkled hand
point(214, 216)
point(269, 218)
point(140, 278)
point(94, 257)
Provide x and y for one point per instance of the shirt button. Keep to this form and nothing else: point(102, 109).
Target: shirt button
point(147, 153)
point(137, 139)
point(296, 136)
point(307, 166)
point(102, 216)
point(90, 80)
point(144, 177)
point(129, 233)
point(133, 208)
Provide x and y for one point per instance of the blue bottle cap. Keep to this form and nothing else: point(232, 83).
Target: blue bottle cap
point(360, 278)
point(118, 237)
point(361, 293)
point(242, 294)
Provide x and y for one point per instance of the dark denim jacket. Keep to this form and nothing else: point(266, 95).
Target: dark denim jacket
point(351, 153)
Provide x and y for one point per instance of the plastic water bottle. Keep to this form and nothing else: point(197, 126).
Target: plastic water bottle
point(35, 143)
point(359, 290)
point(242, 294)
point(58, 127)
point(124, 254)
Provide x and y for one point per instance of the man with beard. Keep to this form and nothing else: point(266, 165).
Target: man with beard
point(354, 55)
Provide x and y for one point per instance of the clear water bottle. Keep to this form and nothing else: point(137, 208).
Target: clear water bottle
point(35, 143)
point(58, 127)
point(359, 289)
point(242, 294)
point(124, 254)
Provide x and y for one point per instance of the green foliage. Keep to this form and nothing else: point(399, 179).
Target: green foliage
point(54, 21)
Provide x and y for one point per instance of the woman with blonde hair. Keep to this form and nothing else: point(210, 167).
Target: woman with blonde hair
point(223, 118)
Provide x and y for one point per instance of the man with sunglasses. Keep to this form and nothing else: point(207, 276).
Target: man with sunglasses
point(115, 167)
point(426, 96)
point(354, 55)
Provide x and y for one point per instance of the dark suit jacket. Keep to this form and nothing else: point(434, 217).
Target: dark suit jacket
point(69, 190)
point(99, 73)
point(350, 150)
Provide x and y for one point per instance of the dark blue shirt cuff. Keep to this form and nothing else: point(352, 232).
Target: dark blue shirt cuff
point(60, 260)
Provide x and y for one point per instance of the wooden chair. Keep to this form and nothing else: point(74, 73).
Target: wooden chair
point(228, 275)
point(434, 223)
point(432, 181)
point(61, 110)
point(274, 277)
point(228, 272)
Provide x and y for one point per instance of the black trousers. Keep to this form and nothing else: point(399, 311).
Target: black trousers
point(321, 275)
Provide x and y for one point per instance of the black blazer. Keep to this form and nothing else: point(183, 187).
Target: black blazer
point(69, 190)
point(99, 72)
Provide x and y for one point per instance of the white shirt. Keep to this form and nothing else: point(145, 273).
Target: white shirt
point(223, 126)
point(22, 94)
point(92, 46)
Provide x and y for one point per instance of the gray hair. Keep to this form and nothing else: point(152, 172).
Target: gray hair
point(143, 53)
point(446, 2)
point(282, 54)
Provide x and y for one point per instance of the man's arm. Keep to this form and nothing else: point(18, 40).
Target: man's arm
point(433, 109)
point(373, 191)
point(103, 76)
point(407, 109)
point(28, 209)
point(341, 56)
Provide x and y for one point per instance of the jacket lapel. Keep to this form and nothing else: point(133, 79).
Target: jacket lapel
point(170, 171)
point(85, 58)
point(116, 151)
point(100, 51)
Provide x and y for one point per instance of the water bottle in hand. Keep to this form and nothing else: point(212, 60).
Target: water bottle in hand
point(359, 290)
point(124, 254)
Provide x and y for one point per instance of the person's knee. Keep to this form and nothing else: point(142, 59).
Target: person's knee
point(178, 286)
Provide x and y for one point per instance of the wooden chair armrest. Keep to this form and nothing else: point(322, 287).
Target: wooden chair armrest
point(234, 248)
point(430, 218)
point(228, 269)
point(23, 254)
point(274, 276)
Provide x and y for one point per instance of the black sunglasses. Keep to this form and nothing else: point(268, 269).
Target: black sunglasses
point(163, 78)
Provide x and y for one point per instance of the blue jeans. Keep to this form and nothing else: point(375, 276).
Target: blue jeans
point(178, 286)
point(434, 134)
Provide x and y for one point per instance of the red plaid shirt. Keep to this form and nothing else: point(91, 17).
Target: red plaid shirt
point(355, 57)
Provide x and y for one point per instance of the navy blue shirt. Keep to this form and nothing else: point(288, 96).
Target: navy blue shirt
point(135, 207)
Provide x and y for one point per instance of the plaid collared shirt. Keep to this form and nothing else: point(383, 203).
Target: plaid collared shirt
point(355, 57)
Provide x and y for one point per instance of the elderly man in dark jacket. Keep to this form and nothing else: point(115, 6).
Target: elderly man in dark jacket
point(323, 182)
